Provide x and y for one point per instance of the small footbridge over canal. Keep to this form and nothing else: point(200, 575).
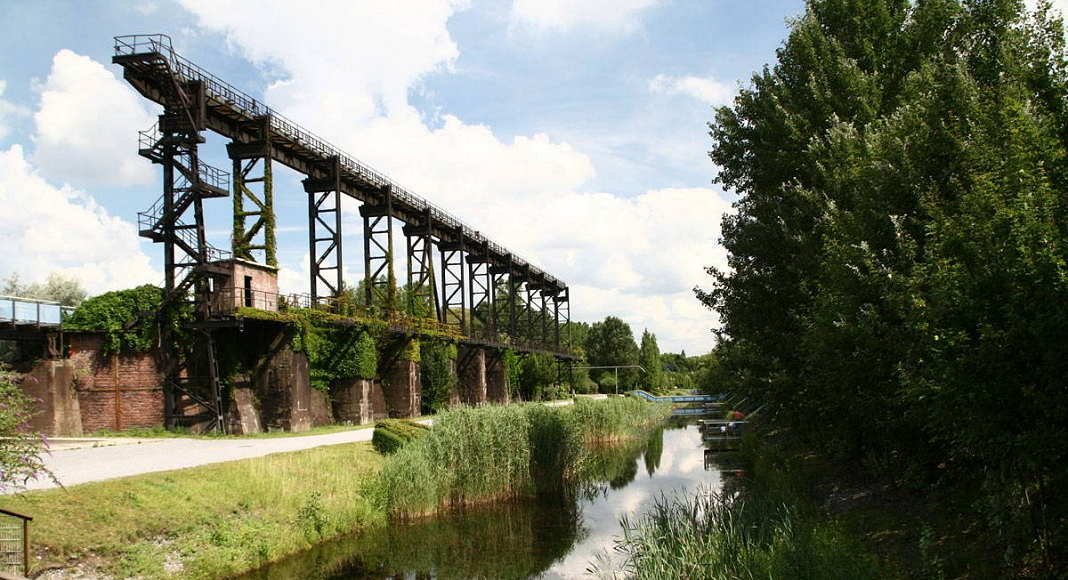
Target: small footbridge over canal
point(701, 404)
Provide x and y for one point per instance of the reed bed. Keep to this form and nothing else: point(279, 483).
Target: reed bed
point(483, 454)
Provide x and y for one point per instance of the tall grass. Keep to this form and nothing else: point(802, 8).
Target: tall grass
point(210, 521)
point(475, 455)
point(720, 536)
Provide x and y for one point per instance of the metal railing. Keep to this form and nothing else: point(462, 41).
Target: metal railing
point(228, 300)
point(14, 543)
point(222, 91)
point(16, 310)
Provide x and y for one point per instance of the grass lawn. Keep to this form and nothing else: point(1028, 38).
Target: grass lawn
point(204, 522)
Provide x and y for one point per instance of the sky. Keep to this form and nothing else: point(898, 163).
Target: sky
point(573, 132)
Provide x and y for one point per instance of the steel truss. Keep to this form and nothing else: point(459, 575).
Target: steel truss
point(254, 195)
point(324, 228)
point(480, 292)
point(452, 284)
point(194, 100)
point(422, 290)
point(380, 282)
point(191, 377)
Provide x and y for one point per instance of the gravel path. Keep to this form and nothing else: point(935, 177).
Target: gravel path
point(135, 456)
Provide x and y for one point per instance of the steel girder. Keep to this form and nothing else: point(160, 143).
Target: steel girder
point(453, 284)
point(254, 220)
point(380, 281)
point(324, 229)
point(480, 287)
point(422, 289)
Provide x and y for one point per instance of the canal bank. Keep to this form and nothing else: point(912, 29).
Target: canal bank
point(223, 519)
point(551, 536)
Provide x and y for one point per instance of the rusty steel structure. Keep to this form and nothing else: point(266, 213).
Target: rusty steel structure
point(494, 297)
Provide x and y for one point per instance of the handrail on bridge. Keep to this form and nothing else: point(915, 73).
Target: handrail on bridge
point(678, 398)
point(17, 310)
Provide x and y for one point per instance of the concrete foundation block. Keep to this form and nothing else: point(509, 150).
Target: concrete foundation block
point(471, 367)
point(51, 383)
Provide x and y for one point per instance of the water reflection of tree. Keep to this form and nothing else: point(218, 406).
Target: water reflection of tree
point(654, 448)
point(516, 540)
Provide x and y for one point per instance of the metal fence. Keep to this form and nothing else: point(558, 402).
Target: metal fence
point(14, 543)
point(15, 310)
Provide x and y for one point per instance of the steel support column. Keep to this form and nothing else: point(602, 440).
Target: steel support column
point(480, 285)
point(324, 229)
point(380, 281)
point(453, 287)
point(254, 220)
point(422, 290)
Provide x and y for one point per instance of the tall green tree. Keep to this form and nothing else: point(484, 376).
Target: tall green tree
point(611, 343)
point(898, 284)
point(649, 359)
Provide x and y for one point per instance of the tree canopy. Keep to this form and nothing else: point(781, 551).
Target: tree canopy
point(898, 281)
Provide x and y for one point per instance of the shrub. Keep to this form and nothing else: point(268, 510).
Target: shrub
point(20, 450)
point(392, 434)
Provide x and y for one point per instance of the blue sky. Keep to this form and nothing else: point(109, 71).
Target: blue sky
point(572, 131)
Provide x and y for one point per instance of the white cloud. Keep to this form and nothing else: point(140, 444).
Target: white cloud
point(636, 257)
point(332, 68)
point(1058, 5)
point(619, 16)
point(706, 90)
point(45, 229)
point(8, 111)
point(87, 124)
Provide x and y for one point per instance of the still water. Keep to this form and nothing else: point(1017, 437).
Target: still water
point(546, 538)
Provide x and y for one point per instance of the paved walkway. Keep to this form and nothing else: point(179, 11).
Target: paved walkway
point(82, 460)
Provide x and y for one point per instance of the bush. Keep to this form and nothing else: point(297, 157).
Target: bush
point(20, 451)
point(111, 311)
point(392, 434)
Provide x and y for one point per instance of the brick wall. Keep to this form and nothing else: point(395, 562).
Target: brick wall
point(115, 391)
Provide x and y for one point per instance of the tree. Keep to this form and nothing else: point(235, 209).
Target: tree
point(20, 449)
point(57, 288)
point(649, 359)
point(611, 343)
point(898, 283)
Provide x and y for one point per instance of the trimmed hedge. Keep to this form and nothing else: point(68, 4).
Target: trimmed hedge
point(392, 434)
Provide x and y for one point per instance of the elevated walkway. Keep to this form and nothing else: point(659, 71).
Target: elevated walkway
point(16, 311)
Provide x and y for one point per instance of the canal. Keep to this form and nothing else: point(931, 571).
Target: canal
point(558, 537)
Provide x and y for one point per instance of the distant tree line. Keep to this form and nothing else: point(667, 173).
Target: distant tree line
point(897, 291)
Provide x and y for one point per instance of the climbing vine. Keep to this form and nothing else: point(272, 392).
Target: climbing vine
point(438, 370)
point(111, 311)
point(336, 352)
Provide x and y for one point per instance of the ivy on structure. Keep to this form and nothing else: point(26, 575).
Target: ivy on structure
point(110, 312)
point(411, 351)
point(337, 352)
point(438, 373)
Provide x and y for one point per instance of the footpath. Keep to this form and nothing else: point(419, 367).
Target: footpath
point(82, 460)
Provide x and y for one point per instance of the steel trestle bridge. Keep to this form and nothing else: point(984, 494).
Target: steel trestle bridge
point(489, 295)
